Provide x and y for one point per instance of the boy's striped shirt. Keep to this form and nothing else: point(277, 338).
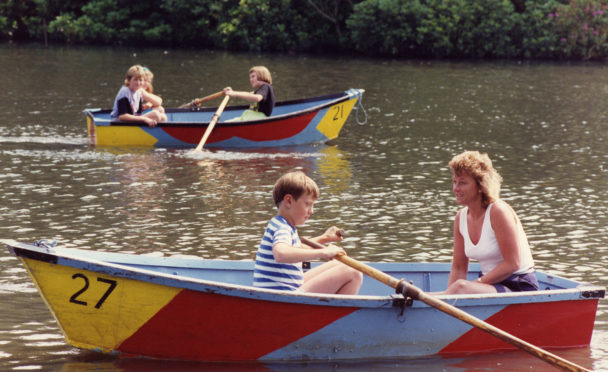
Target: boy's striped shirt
point(270, 274)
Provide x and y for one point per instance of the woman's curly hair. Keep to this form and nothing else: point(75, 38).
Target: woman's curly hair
point(479, 166)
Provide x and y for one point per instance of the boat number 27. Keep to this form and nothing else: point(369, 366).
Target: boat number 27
point(74, 299)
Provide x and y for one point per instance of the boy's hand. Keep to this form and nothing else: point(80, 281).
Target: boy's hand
point(333, 251)
point(333, 234)
point(151, 122)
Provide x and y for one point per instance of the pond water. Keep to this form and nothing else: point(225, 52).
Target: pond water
point(386, 183)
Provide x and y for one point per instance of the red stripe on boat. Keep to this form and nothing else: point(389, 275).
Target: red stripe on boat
point(545, 324)
point(206, 326)
point(267, 131)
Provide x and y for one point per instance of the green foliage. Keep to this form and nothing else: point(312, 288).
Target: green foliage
point(583, 29)
point(437, 28)
point(480, 28)
point(273, 25)
point(16, 14)
point(572, 29)
point(385, 26)
point(192, 22)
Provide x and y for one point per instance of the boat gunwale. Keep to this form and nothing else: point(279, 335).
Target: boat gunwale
point(339, 97)
point(63, 256)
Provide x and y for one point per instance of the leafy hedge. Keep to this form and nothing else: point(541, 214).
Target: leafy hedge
point(481, 28)
point(565, 29)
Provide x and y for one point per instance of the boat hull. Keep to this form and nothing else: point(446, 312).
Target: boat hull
point(164, 308)
point(306, 121)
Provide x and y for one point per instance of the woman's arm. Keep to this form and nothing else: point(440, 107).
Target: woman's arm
point(460, 262)
point(504, 224)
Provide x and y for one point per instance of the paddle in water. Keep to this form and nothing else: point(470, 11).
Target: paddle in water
point(410, 290)
point(214, 120)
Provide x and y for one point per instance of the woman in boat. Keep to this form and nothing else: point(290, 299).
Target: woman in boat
point(278, 262)
point(487, 230)
point(262, 97)
point(129, 100)
point(156, 105)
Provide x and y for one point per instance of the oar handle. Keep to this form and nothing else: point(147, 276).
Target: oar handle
point(416, 293)
point(198, 101)
point(365, 269)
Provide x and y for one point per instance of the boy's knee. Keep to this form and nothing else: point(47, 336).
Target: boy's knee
point(356, 274)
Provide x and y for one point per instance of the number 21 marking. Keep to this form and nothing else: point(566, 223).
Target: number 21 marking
point(339, 112)
point(74, 299)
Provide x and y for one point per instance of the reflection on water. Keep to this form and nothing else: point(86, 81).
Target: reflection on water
point(386, 183)
point(334, 171)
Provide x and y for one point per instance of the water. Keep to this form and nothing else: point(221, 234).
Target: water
point(386, 183)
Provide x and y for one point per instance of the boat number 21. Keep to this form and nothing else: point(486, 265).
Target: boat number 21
point(338, 111)
point(74, 299)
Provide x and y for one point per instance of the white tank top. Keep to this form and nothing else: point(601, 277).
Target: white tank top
point(487, 251)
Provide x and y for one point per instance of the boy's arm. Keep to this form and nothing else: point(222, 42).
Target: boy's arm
point(152, 98)
point(285, 253)
point(130, 117)
point(333, 234)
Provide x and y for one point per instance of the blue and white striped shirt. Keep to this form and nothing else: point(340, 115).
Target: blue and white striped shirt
point(268, 273)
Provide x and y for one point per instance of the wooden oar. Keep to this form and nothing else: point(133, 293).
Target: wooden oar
point(416, 293)
point(214, 120)
point(198, 101)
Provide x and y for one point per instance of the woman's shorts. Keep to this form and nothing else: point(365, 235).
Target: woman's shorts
point(518, 283)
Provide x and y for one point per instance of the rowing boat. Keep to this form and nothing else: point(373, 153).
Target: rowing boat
point(206, 310)
point(297, 122)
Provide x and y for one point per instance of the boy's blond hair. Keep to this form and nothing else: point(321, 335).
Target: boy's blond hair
point(135, 71)
point(294, 183)
point(262, 73)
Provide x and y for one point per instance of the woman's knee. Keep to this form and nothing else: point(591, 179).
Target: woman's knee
point(459, 286)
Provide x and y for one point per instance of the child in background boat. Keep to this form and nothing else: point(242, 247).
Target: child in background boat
point(148, 77)
point(262, 97)
point(129, 100)
point(487, 230)
point(278, 263)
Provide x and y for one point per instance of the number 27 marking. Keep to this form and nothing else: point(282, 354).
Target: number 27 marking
point(74, 299)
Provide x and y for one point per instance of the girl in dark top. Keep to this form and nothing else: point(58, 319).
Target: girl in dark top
point(262, 97)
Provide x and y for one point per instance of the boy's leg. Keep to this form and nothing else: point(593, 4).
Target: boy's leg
point(156, 115)
point(332, 277)
point(320, 268)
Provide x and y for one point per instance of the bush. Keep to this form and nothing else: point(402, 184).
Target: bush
point(569, 29)
point(457, 28)
point(480, 28)
point(582, 26)
point(536, 33)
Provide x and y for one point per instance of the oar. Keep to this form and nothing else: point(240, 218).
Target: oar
point(214, 120)
point(417, 294)
point(198, 101)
